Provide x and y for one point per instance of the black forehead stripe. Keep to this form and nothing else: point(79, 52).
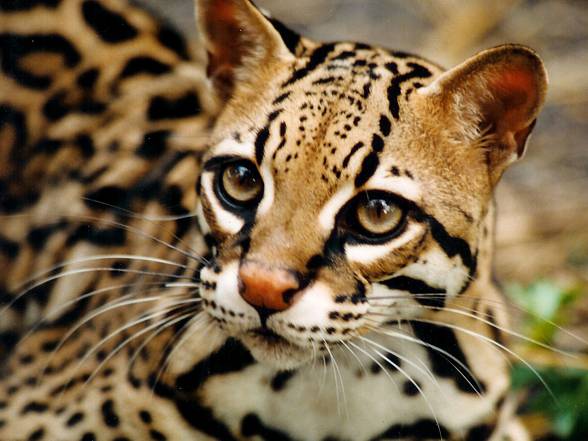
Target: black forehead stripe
point(316, 59)
point(416, 286)
point(353, 151)
point(441, 337)
point(368, 168)
point(385, 125)
point(260, 142)
point(394, 88)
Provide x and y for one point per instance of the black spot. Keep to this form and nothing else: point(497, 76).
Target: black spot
point(410, 389)
point(36, 435)
point(109, 416)
point(385, 125)
point(251, 425)
point(34, 407)
point(280, 380)
point(173, 40)
point(168, 108)
point(25, 5)
point(144, 65)
point(88, 436)
point(422, 429)
point(8, 247)
point(118, 268)
point(115, 236)
point(87, 79)
point(16, 119)
point(37, 237)
point(49, 346)
point(74, 419)
point(109, 197)
point(482, 432)
point(15, 47)
point(154, 144)
point(110, 26)
point(171, 199)
point(368, 168)
point(145, 417)
point(85, 145)
point(156, 435)
point(55, 107)
point(444, 338)
point(316, 59)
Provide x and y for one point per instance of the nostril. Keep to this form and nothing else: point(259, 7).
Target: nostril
point(267, 288)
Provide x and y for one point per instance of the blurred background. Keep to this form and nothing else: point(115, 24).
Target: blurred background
point(542, 238)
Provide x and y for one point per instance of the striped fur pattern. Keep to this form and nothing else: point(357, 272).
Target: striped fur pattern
point(140, 300)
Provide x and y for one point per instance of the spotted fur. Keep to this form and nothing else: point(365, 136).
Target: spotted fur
point(124, 311)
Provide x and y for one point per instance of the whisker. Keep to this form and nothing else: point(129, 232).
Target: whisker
point(337, 374)
point(414, 383)
point(166, 323)
point(21, 294)
point(475, 387)
point(503, 304)
point(63, 306)
point(195, 321)
point(425, 371)
point(117, 303)
point(498, 345)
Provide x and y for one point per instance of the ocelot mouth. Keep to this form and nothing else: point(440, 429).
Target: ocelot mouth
point(269, 335)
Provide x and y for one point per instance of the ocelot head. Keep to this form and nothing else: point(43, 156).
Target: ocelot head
point(348, 185)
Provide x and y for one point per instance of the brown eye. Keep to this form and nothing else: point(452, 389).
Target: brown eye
point(240, 183)
point(379, 216)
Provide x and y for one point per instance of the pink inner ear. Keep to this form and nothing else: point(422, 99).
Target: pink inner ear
point(516, 90)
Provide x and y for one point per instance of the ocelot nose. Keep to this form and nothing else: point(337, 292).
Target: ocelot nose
point(266, 288)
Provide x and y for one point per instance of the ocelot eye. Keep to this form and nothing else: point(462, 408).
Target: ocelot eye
point(379, 216)
point(240, 184)
point(374, 216)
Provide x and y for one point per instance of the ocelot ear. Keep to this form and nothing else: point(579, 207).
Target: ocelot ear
point(494, 98)
point(241, 43)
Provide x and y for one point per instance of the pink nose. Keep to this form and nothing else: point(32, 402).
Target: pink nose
point(265, 287)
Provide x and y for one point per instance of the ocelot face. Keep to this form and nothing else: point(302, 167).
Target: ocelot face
point(347, 186)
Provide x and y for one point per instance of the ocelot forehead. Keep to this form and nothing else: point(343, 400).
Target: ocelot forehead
point(337, 117)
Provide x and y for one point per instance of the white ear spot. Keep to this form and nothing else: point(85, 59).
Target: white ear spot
point(230, 223)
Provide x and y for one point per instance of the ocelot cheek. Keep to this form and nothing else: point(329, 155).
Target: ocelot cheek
point(381, 261)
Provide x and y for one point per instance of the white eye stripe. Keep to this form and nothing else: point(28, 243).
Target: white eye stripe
point(400, 185)
point(366, 254)
point(268, 190)
point(226, 220)
point(230, 147)
point(332, 207)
